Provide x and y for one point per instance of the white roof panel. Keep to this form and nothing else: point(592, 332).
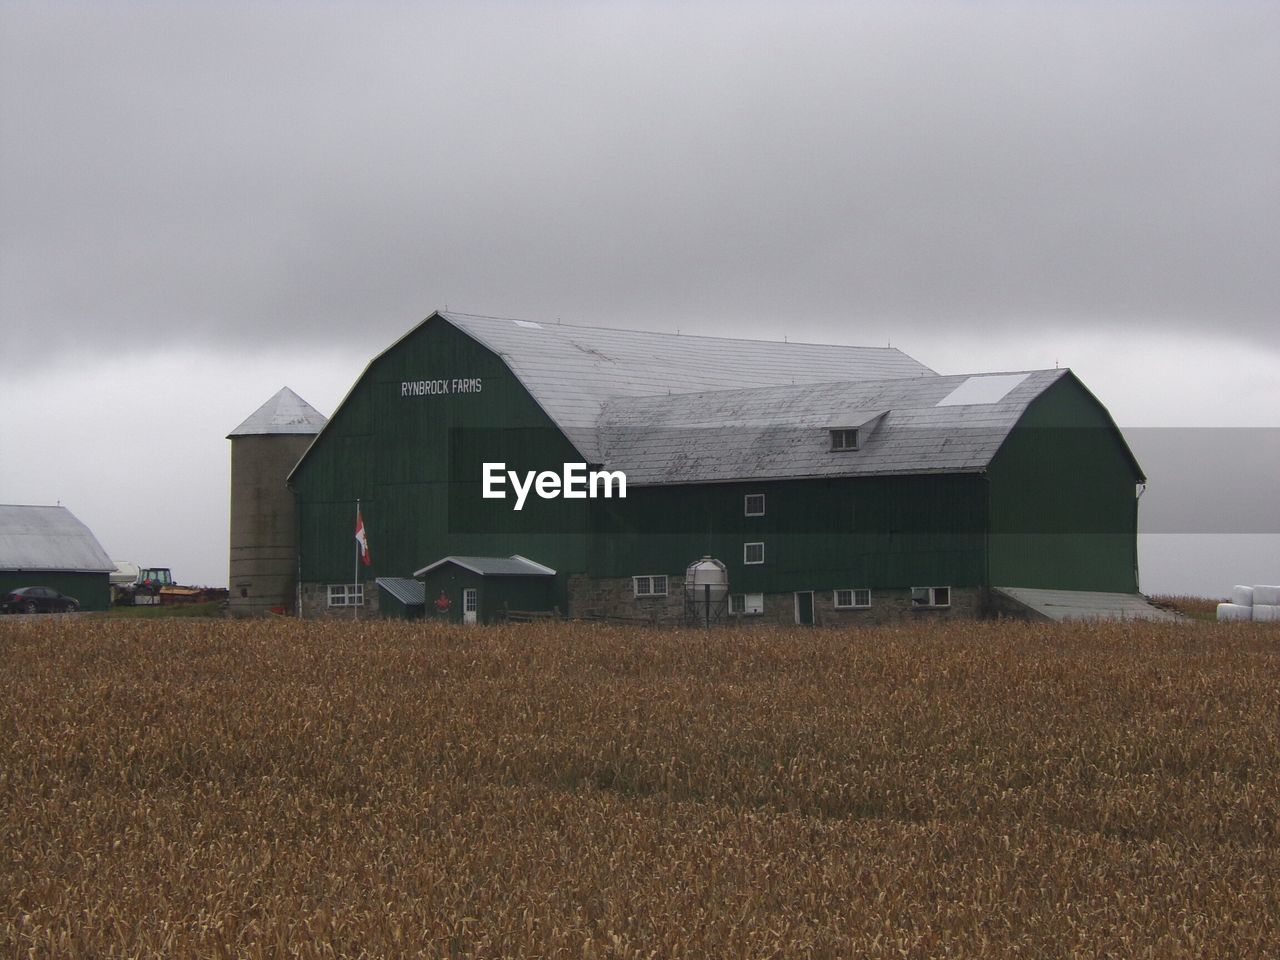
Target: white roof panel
point(984, 389)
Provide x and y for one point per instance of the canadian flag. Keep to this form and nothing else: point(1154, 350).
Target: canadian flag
point(362, 539)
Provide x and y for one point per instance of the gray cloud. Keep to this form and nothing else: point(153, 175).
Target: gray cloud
point(236, 174)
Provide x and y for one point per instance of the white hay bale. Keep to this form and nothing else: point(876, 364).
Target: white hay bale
point(1234, 611)
point(1242, 596)
point(1266, 612)
point(1266, 593)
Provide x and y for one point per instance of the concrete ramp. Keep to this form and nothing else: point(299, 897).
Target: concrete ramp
point(1085, 605)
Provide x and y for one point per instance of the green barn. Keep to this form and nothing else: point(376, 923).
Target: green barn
point(50, 547)
point(837, 484)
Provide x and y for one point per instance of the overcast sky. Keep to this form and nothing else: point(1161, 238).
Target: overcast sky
point(203, 202)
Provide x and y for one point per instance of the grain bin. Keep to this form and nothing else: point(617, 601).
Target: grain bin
point(706, 591)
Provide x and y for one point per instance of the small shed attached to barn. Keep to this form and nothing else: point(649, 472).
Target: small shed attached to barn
point(487, 589)
point(400, 598)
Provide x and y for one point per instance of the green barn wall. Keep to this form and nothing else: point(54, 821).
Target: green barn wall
point(1056, 508)
point(414, 464)
point(93, 590)
point(819, 534)
point(1063, 498)
point(494, 594)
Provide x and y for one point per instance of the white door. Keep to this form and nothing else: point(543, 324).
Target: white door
point(469, 605)
point(804, 607)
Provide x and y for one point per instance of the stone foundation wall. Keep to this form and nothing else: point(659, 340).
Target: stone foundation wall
point(315, 603)
point(614, 598)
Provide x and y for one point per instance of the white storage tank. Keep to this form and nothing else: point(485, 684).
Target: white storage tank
point(706, 590)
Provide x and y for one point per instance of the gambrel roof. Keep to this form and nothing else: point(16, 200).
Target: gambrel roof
point(573, 371)
point(666, 408)
point(48, 538)
point(904, 426)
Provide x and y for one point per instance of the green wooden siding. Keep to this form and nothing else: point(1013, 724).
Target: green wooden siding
point(818, 534)
point(93, 590)
point(494, 594)
point(1056, 508)
point(1063, 499)
point(414, 463)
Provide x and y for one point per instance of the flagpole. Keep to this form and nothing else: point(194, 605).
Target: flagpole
point(357, 584)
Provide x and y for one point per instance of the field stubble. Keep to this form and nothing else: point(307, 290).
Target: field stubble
point(225, 789)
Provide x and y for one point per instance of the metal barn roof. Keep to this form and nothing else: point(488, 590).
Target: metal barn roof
point(48, 538)
point(1088, 605)
point(286, 412)
point(906, 426)
point(408, 591)
point(573, 371)
point(513, 566)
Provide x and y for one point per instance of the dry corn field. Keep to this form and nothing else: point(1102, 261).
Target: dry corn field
point(279, 789)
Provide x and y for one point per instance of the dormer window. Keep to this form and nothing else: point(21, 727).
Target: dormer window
point(853, 429)
point(844, 439)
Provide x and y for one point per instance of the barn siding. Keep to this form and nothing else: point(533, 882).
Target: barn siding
point(1063, 499)
point(93, 590)
point(818, 534)
point(414, 463)
point(1055, 508)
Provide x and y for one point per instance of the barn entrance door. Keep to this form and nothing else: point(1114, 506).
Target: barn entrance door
point(804, 608)
point(469, 605)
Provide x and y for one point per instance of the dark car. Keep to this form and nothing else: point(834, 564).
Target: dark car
point(37, 600)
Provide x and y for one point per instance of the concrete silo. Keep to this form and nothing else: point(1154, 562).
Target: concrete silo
point(264, 523)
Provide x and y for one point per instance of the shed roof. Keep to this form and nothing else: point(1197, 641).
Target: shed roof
point(408, 591)
point(512, 566)
point(286, 412)
point(574, 371)
point(1089, 605)
point(908, 426)
point(39, 538)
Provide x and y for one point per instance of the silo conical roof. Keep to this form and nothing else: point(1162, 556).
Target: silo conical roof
point(286, 412)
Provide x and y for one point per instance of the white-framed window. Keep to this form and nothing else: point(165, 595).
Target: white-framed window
point(844, 438)
point(858, 598)
point(470, 600)
point(753, 553)
point(749, 604)
point(930, 596)
point(346, 594)
point(651, 586)
point(753, 505)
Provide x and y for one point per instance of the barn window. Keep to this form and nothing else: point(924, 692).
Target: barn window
point(753, 505)
point(746, 603)
point(346, 594)
point(651, 586)
point(753, 553)
point(844, 439)
point(857, 599)
point(930, 596)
